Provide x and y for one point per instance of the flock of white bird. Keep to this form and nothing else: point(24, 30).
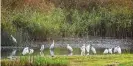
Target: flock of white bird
point(26, 50)
point(83, 49)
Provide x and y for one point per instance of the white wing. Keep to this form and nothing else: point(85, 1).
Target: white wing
point(69, 48)
point(93, 50)
point(25, 51)
point(31, 51)
point(52, 46)
point(115, 50)
point(83, 48)
point(42, 48)
point(88, 48)
point(14, 39)
point(105, 51)
point(110, 50)
point(119, 50)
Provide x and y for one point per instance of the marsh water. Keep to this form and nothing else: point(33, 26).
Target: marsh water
point(99, 43)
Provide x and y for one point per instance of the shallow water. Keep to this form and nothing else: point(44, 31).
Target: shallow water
point(60, 46)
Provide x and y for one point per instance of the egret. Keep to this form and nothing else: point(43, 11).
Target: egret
point(88, 49)
point(115, 50)
point(14, 39)
point(106, 51)
point(52, 49)
point(70, 50)
point(12, 54)
point(110, 50)
point(31, 51)
point(93, 50)
point(41, 50)
point(119, 49)
point(83, 49)
point(25, 51)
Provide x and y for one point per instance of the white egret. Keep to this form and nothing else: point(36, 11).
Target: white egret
point(52, 49)
point(31, 51)
point(119, 49)
point(41, 49)
point(14, 39)
point(110, 50)
point(25, 51)
point(83, 49)
point(70, 50)
point(12, 54)
point(88, 49)
point(106, 51)
point(93, 50)
point(115, 50)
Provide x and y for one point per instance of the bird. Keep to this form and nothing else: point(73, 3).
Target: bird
point(52, 49)
point(93, 50)
point(115, 49)
point(31, 51)
point(88, 49)
point(70, 50)
point(119, 49)
point(14, 39)
point(106, 51)
point(110, 50)
point(12, 54)
point(25, 51)
point(83, 49)
point(41, 49)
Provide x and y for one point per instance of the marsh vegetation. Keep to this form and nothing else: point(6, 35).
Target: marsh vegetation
point(48, 19)
point(59, 60)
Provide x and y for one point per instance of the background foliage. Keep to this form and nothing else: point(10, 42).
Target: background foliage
point(44, 19)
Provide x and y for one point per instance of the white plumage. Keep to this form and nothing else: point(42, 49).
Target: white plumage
point(88, 49)
point(14, 39)
point(52, 49)
point(93, 49)
point(69, 49)
point(31, 51)
point(119, 49)
point(12, 54)
point(52, 45)
point(41, 49)
point(83, 49)
point(25, 51)
point(115, 50)
point(110, 50)
point(105, 51)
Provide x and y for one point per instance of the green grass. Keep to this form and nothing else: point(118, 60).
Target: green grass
point(102, 60)
point(76, 60)
point(35, 61)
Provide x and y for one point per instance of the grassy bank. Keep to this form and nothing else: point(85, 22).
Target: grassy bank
point(92, 60)
point(35, 61)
